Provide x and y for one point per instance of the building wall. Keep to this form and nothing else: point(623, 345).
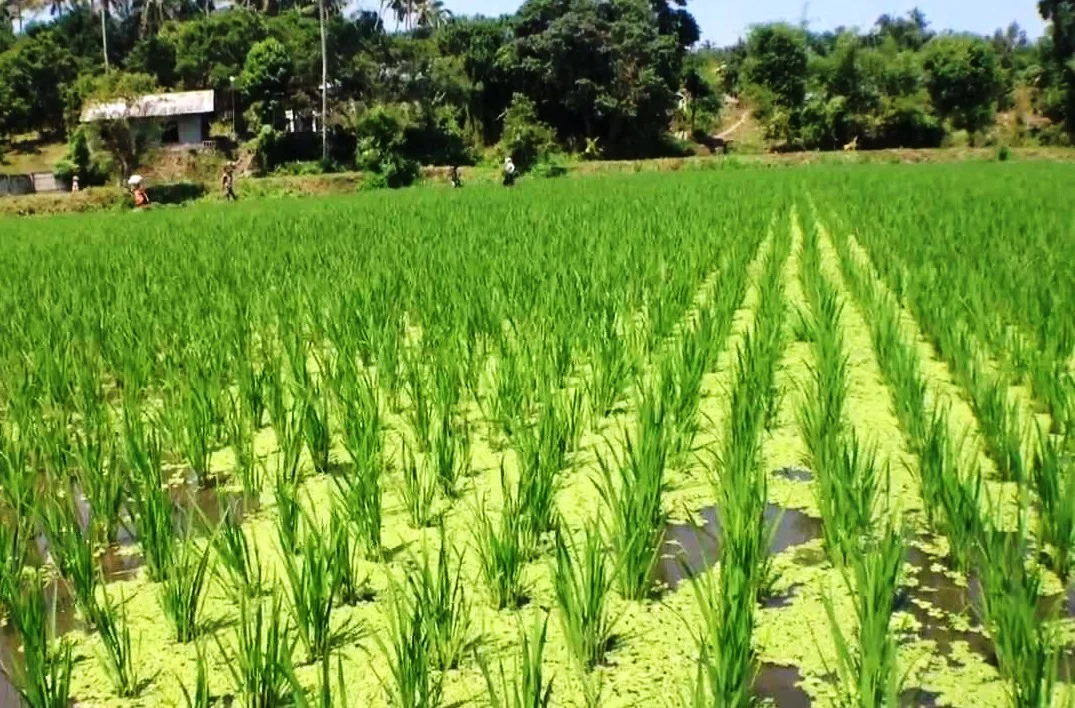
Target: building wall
point(190, 129)
point(16, 185)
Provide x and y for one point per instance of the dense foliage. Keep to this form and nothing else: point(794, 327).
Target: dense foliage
point(609, 78)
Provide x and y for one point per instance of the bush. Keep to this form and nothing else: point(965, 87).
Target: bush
point(1004, 153)
point(380, 148)
point(80, 163)
point(525, 139)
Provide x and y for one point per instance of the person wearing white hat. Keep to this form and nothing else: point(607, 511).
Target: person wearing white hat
point(509, 172)
point(141, 199)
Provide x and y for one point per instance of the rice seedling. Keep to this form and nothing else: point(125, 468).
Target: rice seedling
point(152, 516)
point(240, 427)
point(413, 682)
point(194, 421)
point(327, 696)
point(71, 553)
point(260, 659)
point(541, 451)
point(240, 560)
point(866, 661)
point(43, 677)
point(449, 454)
point(632, 488)
point(182, 592)
point(316, 426)
point(582, 581)
point(420, 410)
point(359, 492)
point(419, 490)
point(1054, 483)
point(1027, 646)
point(199, 697)
point(438, 590)
point(612, 363)
point(288, 513)
point(313, 584)
point(290, 431)
point(528, 687)
point(501, 549)
point(97, 473)
point(113, 627)
point(352, 586)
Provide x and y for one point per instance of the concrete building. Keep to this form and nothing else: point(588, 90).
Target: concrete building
point(183, 117)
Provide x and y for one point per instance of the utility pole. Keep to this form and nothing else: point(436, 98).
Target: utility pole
point(324, 87)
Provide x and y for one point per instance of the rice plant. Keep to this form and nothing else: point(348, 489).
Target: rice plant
point(71, 553)
point(541, 451)
point(113, 627)
point(501, 548)
point(583, 581)
point(182, 592)
point(632, 488)
point(149, 506)
point(866, 661)
point(438, 589)
point(352, 586)
point(240, 560)
point(419, 490)
point(413, 682)
point(288, 513)
point(316, 426)
point(449, 454)
point(1054, 482)
point(199, 697)
point(528, 687)
point(43, 676)
point(313, 584)
point(1027, 646)
point(241, 423)
point(259, 661)
point(359, 491)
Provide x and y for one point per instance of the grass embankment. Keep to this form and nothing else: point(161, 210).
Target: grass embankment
point(200, 186)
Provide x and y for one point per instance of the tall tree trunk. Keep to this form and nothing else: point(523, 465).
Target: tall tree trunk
point(324, 87)
point(104, 31)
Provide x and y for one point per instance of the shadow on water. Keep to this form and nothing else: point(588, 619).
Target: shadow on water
point(688, 549)
point(938, 598)
point(59, 601)
point(778, 686)
point(198, 510)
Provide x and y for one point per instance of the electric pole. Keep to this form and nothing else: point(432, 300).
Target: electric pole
point(324, 87)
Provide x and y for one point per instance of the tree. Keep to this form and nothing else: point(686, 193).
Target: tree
point(210, 50)
point(963, 80)
point(596, 71)
point(128, 137)
point(33, 74)
point(775, 72)
point(1060, 53)
point(265, 79)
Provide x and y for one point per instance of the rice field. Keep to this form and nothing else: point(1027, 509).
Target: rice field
point(796, 437)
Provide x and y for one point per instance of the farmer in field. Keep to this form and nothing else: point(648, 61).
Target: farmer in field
point(138, 191)
point(453, 175)
point(509, 172)
point(227, 182)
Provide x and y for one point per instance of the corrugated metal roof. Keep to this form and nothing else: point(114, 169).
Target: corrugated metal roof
point(160, 105)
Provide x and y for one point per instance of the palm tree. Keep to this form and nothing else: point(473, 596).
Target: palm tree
point(431, 13)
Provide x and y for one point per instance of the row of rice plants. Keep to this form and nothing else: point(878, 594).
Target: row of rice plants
point(956, 506)
point(853, 498)
point(992, 282)
point(728, 599)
